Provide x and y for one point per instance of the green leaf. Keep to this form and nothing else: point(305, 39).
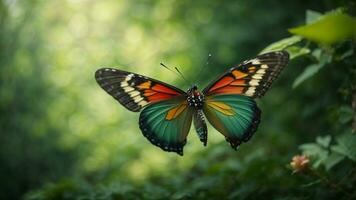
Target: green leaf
point(317, 53)
point(295, 51)
point(346, 114)
point(346, 145)
point(317, 152)
point(332, 160)
point(320, 153)
point(329, 29)
point(324, 141)
point(282, 44)
point(348, 53)
point(312, 16)
point(307, 73)
point(312, 69)
point(325, 58)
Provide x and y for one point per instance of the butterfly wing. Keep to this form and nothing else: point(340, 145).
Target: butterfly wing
point(229, 104)
point(252, 77)
point(166, 124)
point(235, 116)
point(132, 90)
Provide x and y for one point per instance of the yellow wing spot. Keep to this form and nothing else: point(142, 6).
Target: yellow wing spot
point(221, 107)
point(238, 74)
point(176, 111)
point(145, 85)
point(252, 69)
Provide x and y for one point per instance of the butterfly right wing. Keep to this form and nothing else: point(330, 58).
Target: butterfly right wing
point(134, 91)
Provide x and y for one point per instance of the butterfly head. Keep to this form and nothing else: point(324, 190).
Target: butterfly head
point(195, 97)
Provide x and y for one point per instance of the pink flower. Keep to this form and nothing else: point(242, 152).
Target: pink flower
point(299, 163)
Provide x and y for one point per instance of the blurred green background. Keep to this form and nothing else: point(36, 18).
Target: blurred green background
point(63, 137)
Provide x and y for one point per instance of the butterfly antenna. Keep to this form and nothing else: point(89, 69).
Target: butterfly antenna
point(181, 75)
point(163, 65)
point(176, 72)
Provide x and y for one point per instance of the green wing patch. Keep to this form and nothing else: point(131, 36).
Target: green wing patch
point(235, 116)
point(166, 124)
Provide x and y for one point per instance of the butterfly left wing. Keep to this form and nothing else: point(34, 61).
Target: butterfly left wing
point(132, 90)
point(252, 77)
point(166, 124)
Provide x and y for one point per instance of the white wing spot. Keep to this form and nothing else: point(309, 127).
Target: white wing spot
point(250, 91)
point(134, 93)
point(124, 84)
point(257, 76)
point(128, 77)
point(264, 66)
point(128, 88)
point(142, 103)
point(255, 62)
point(261, 71)
point(138, 99)
point(254, 82)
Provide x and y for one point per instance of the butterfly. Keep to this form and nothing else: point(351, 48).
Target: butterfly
point(167, 112)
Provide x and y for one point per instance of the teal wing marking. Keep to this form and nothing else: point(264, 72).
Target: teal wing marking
point(166, 124)
point(235, 116)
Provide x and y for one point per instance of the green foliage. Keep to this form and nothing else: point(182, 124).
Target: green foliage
point(323, 153)
point(346, 146)
point(346, 114)
point(328, 29)
point(282, 44)
point(288, 44)
point(322, 60)
point(62, 137)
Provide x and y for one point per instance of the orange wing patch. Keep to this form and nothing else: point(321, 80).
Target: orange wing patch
point(239, 83)
point(164, 89)
point(232, 84)
point(159, 97)
point(252, 69)
point(148, 93)
point(144, 85)
point(223, 82)
point(238, 74)
point(156, 92)
point(229, 90)
point(176, 111)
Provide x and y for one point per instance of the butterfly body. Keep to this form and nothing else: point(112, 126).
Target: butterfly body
point(195, 98)
point(168, 112)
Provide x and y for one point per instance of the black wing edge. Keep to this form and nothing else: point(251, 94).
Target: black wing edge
point(275, 61)
point(177, 148)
